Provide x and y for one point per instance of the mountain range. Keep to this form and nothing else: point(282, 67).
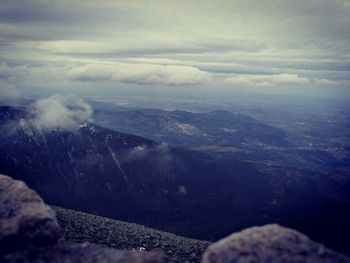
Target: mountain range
point(105, 172)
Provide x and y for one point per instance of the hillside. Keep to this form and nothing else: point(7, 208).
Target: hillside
point(31, 232)
point(126, 177)
point(80, 227)
point(270, 138)
point(188, 129)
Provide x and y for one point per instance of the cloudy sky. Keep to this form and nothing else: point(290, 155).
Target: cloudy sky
point(180, 46)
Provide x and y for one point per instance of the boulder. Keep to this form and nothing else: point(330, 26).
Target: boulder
point(25, 220)
point(270, 243)
point(29, 232)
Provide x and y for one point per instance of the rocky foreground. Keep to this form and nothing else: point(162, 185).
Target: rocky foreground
point(80, 227)
point(31, 232)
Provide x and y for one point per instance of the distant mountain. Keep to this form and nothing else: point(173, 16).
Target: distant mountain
point(235, 136)
point(190, 130)
point(101, 171)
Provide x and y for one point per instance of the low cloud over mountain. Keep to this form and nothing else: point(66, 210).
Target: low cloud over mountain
point(60, 112)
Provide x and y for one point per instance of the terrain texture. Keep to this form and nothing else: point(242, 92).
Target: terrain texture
point(80, 227)
point(201, 195)
point(30, 232)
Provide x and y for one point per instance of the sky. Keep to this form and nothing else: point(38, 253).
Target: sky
point(174, 47)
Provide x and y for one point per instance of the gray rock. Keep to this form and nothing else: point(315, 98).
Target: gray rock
point(29, 232)
point(270, 243)
point(25, 220)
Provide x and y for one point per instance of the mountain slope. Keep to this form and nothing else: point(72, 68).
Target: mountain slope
point(127, 177)
point(31, 232)
point(80, 227)
point(189, 129)
point(235, 135)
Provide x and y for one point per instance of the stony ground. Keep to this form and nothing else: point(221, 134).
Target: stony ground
point(81, 227)
point(30, 232)
point(66, 252)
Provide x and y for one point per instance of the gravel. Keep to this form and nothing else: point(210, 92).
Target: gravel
point(82, 227)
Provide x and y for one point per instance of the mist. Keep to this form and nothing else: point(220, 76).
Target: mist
point(59, 112)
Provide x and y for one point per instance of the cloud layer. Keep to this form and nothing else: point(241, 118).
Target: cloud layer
point(112, 72)
point(8, 91)
point(267, 80)
point(139, 74)
point(175, 43)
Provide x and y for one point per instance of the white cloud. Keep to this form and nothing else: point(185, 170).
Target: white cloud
point(327, 82)
point(135, 73)
point(60, 112)
point(8, 90)
point(266, 80)
point(140, 73)
point(160, 154)
point(70, 46)
point(222, 37)
point(11, 74)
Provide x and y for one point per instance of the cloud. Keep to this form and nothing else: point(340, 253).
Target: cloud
point(159, 154)
point(140, 73)
point(10, 74)
point(8, 90)
point(266, 80)
point(102, 72)
point(142, 151)
point(327, 82)
point(60, 112)
point(166, 43)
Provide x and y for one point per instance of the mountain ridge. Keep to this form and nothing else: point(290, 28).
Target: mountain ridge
point(130, 178)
